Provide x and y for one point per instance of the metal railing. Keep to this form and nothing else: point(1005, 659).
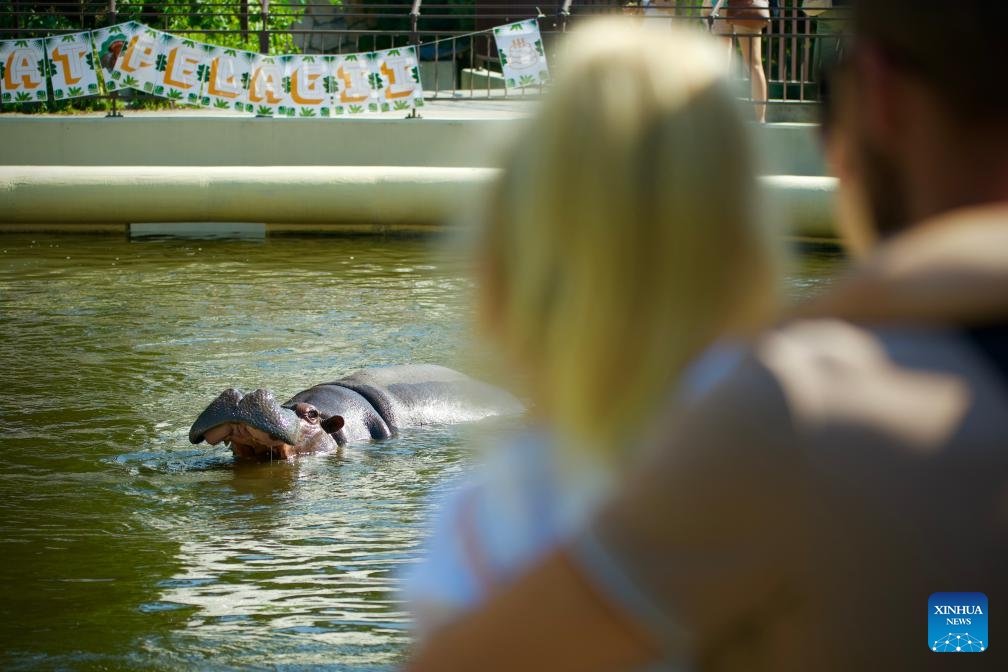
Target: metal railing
point(456, 48)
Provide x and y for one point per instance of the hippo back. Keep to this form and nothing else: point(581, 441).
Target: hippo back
point(424, 394)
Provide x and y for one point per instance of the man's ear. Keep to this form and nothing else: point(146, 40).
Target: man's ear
point(333, 424)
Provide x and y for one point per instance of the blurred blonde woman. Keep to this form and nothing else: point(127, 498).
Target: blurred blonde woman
point(621, 241)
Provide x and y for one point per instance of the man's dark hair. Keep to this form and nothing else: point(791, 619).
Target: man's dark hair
point(958, 47)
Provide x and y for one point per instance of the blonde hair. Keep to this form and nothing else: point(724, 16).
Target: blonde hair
point(622, 237)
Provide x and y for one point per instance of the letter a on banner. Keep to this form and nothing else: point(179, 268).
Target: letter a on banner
point(266, 86)
point(522, 56)
point(399, 80)
point(23, 72)
point(72, 66)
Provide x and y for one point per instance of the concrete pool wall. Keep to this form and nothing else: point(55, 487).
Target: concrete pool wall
point(367, 174)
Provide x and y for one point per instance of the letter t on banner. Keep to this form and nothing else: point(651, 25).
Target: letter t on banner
point(72, 65)
point(522, 56)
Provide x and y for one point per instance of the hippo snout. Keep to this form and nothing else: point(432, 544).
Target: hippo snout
point(258, 410)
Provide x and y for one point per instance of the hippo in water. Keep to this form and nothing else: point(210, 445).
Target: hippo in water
point(367, 404)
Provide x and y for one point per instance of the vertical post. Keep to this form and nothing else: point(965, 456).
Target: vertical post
point(264, 33)
point(562, 14)
point(243, 16)
point(114, 96)
point(414, 17)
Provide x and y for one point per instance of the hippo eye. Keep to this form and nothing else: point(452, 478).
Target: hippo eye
point(307, 412)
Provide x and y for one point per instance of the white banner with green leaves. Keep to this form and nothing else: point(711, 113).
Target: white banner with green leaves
point(134, 56)
point(522, 57)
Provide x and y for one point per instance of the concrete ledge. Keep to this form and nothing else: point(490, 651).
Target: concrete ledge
point(300, 197)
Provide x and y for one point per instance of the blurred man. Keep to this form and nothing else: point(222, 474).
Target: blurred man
point(815, 509)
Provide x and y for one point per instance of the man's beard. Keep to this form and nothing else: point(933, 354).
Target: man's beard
point(885, 191)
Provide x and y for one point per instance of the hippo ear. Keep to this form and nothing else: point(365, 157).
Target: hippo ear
point(333, 424)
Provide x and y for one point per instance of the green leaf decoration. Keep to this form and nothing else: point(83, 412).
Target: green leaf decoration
point(393, 52)
point(402, 105)
point(220, 104)
point(415, 74)
point(324, 112)
point(518, 26)
point(526, 80)
point(385, 107)
point(339, 110)
point(286, 83)
point(351, 57)
point(58, 94)
point(129, 81)
point(511, 83)
point(539, 48)
point(418, 102)
point(356, 109)
point(372, 107)
point(308, 59)
point(203, 72)
point(231, 52)
point(21, 43)
point(307, 112)
point(189, 43)
point(161, 63)
point(69, 38)
point(264, 109)
point(22, 97)
point(92, 89)
point(175, 94)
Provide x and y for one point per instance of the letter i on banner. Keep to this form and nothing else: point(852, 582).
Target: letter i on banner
point(72, 66)
point(266, 86)
point(399, 80)
point(353, 94)
point(522, 56)
point(143, 62)
point(23, 72)
point(110, 43)
point(309, 93)
point(226, 78)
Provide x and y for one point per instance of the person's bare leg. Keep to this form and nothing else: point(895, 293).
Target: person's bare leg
point(752, 56)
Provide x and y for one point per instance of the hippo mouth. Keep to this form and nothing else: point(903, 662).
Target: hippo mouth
point(255, 426)
point(248, 442)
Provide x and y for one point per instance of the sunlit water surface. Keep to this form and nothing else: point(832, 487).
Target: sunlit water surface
point(122, 546)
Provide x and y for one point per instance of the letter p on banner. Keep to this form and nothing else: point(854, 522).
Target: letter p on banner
point(957, 623)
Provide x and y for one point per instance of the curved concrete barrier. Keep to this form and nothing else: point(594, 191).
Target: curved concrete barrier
point(303, 194)
point(805, 202)
point(387, 195)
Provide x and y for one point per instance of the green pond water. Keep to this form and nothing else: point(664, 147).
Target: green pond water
point(122, 546)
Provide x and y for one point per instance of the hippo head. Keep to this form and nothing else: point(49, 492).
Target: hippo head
point(256, 427)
